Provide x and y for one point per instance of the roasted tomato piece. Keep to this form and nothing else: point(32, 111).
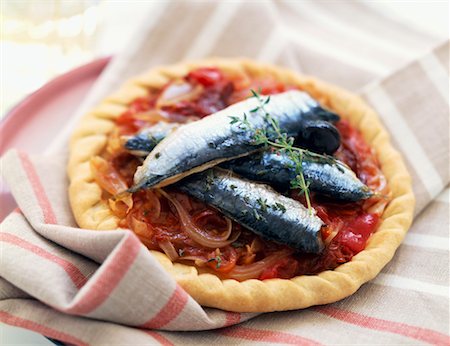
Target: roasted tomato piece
point(285, 268)
point(224, 260)
point(206, 76)
point(357, 232)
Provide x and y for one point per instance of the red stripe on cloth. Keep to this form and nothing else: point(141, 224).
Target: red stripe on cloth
point(232, 318)
point(39, 328)
point(417, 333)
point(74, 273)
point(158, 337)
point(170, 311)
point(44, 203)
point(111, 275)
point(245, 333)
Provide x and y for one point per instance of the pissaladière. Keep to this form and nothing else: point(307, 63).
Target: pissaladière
point(234, 259)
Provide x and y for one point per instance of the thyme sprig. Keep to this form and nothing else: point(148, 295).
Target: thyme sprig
point(217, 259)
point(272, 136)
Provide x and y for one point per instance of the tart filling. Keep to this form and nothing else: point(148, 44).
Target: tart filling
point(189, 231)
point(357, 237)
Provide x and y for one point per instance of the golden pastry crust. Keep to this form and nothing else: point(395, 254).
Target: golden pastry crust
point(303, 291)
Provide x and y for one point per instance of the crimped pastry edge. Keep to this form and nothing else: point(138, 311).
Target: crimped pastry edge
point(303, 291)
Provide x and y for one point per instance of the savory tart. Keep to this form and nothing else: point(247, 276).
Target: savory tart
point(256, 188)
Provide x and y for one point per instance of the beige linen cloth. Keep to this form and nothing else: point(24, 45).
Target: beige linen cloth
point(88, 287)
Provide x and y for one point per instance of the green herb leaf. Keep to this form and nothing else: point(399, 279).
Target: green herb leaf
point(272, 136)
point(234, 120)
point(280, 207)
point(262, 203)
point(258, 217)
point(219, 262)
point(217, 259)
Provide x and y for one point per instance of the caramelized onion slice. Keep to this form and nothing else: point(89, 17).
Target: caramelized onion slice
point(196, 233)
point(169, 249)
point(139, 227)
point(121, 204)
point(207, 213)
point(254, 270)
point(152, 116)
point(151, 208)
point(106, 176)
point(177, 92)
point(199, 261)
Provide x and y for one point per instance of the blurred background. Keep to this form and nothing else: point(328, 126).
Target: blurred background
point(43, 38)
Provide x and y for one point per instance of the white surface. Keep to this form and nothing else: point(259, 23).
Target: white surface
point(429, 16)
point(18, 336)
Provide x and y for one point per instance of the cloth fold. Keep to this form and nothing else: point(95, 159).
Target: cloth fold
point(102, 287)
point(105, 275)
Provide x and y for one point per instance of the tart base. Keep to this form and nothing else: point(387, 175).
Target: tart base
point(92, 212)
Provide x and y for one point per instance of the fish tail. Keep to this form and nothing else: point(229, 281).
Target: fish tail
point(137, 187)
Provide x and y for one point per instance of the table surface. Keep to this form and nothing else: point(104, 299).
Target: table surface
point(114, 33)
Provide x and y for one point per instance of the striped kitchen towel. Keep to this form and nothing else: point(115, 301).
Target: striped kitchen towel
point(344, 42)
point(90, 288)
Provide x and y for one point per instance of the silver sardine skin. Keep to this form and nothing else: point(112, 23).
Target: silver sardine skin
point(334, 180)
point(257, 207)
point(199, 145)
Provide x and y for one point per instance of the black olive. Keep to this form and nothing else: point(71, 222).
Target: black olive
point(319, 136)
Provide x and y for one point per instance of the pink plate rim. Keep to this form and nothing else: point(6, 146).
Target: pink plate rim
point(47, 90)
